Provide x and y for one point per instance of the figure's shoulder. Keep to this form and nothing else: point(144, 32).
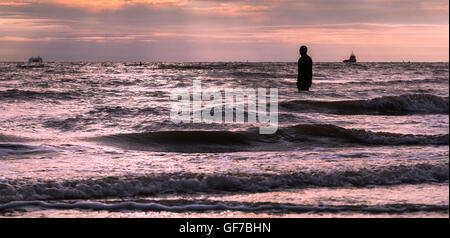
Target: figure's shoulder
point(305, 60)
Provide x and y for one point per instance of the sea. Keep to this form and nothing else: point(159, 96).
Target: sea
point(96, 139)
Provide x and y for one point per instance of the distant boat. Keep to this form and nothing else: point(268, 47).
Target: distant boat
point(35, 60)
point(352, 59)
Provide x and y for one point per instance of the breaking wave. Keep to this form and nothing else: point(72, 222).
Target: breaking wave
point(131, 186)
point(388, 105)
point(256, 207)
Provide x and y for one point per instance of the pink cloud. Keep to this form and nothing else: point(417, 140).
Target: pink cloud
point(96, 5)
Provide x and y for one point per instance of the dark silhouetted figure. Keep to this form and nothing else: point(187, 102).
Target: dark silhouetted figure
point(304, 78)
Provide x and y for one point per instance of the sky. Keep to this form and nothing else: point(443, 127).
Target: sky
point(219, 30)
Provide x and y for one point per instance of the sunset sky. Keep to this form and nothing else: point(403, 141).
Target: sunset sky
point(216, 30)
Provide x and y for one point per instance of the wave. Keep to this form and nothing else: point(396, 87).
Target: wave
point(31, 66)
point(390, 82)
point(100, 114)
point(78, 122)
point(13, 145)
point(286, 138)
point(205, 65)
point(359, 136)
point(244, 74)
point(20, 149)
point(126, 111)
point(191, 183)
point(235, 70)
point(255, 207)
point(9, 138)
point(387, 105)
point(33, 95)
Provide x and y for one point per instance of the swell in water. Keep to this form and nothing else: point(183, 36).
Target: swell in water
point(15, 94)
point(191, 183)
point(8, 138)
point(298, 136)
point(13, 145)
point(204, 66)
point(253, 207)
point(388, 105)
point(21, 149)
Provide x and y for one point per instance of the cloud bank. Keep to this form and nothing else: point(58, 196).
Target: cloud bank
point(215, 30)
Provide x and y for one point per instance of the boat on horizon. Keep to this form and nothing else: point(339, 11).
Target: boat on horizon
point(35, 60)
point(352, 59)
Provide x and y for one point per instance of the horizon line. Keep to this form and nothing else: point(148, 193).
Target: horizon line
point(212, 61)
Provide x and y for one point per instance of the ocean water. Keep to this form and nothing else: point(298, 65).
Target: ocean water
point(96, 140)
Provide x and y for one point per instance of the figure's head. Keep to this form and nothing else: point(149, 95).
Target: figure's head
point(303, 50)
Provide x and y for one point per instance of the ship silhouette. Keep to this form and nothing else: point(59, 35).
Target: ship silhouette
point(352, 59)
point(35, 59)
